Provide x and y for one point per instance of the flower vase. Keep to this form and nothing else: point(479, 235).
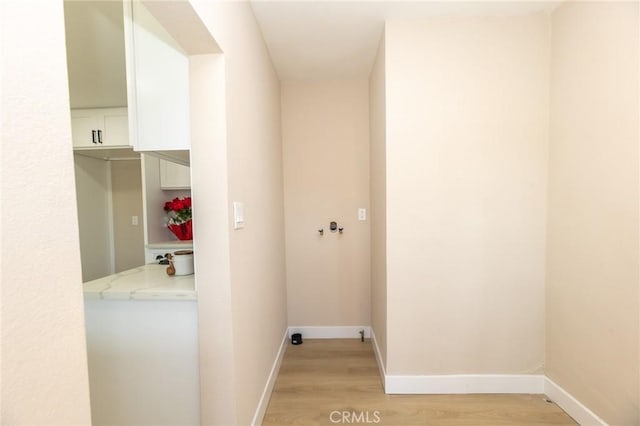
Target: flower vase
point(184, 231)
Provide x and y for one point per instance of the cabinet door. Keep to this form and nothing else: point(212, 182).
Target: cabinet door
point(157, 83)
point(174, 176)
point(83, 124)
point(100, 127)
point(115, 128)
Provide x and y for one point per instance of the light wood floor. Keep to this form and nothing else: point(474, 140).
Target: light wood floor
point(320, 379)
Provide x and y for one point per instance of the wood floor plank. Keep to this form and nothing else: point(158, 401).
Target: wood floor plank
point(322, 380)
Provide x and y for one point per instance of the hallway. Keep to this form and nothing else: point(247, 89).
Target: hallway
point(482, 159)
point(336, 381)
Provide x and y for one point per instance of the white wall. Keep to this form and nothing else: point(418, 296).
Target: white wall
point(325, 136)
point(44, 361)
point(593, 256)
point(93, 194)
point(95, 53)
point(209, 184)
point(467, 127)
point(108, 194)
point(258, 311)
point(128, 239)
point(378, 193)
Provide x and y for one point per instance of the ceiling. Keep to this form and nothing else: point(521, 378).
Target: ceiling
point(307, 39)
point(324, 40)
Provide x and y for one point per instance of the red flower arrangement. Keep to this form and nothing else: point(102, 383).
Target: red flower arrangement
point(180, 223)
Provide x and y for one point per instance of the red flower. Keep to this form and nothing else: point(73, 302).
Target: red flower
point(178, 204)
point(179, 212)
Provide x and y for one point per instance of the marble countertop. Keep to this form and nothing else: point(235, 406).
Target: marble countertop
point(148, 282)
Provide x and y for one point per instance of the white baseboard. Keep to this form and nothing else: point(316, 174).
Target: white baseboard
point(464, 383)
point(570, 405)
point(271, 381)
point(456, 384)
point(381, 368)
point(337, 332)
point(486, 383)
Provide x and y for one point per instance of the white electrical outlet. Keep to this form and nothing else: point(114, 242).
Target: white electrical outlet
point(134, 220)
point(362, 214)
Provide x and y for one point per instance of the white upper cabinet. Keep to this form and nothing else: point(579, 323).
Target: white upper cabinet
point(157, 83)
point(99, 127)
point(174, 176)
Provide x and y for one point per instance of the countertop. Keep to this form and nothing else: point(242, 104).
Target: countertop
point(148, 282)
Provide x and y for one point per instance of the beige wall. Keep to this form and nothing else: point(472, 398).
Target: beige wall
point(325, 136)
point(378, 194)
point(254, 162)
point(44, 359)
point(128, 239)
point(593, 257)
point(95, 48)
point(109, 193)
point(467, 128)
point(93, 191)
point(209, 187)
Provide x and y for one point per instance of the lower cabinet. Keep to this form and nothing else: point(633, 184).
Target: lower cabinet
point(143, 362)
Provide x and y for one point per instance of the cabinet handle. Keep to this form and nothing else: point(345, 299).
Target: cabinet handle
point(99, 136)
point(93, 136)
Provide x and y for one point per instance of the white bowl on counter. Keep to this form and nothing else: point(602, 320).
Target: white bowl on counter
point(183, 262)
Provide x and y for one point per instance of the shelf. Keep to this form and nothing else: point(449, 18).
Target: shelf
point(186, 245)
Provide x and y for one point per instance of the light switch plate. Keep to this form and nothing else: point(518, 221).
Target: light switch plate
point(238, 215)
